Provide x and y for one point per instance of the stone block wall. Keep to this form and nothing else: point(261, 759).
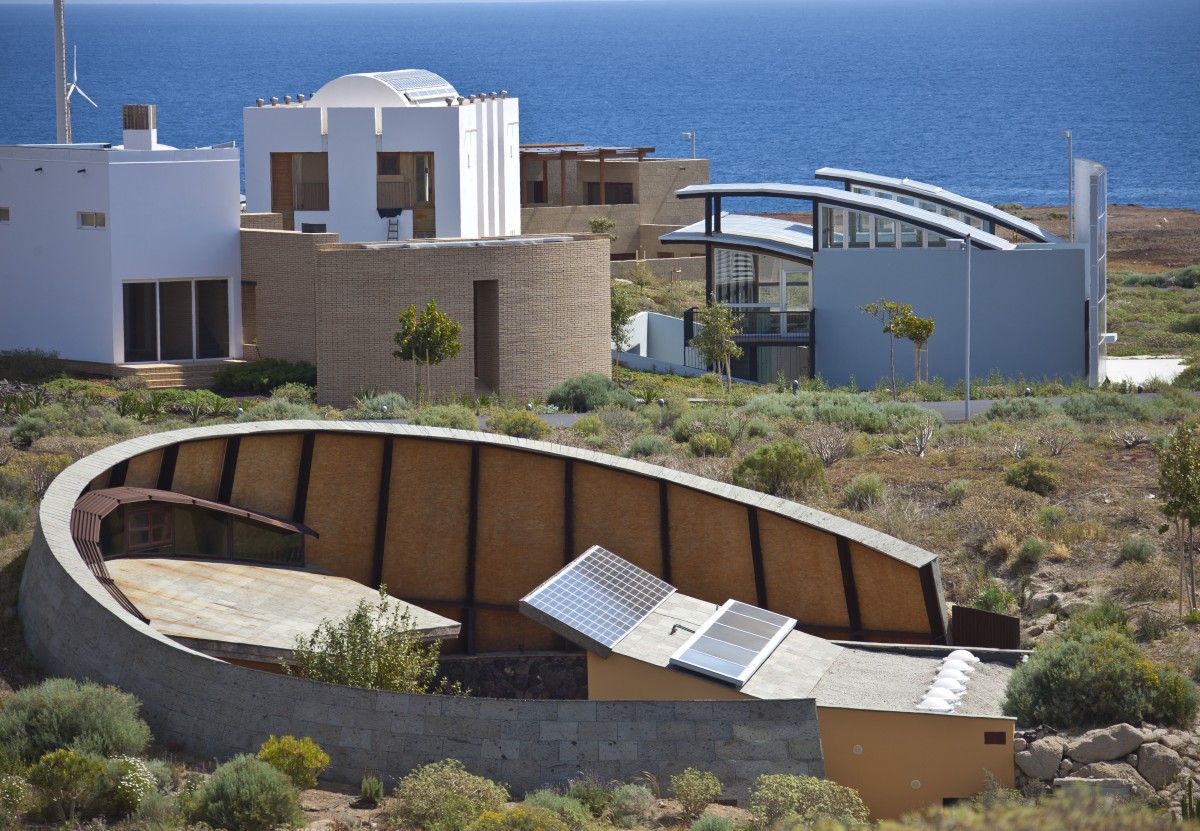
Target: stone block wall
point(282, 265)
point(74, 628)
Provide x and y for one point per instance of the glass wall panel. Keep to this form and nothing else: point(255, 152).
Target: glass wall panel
point(885, 233)
point(911, 237)
point(212, 319)
point(175, 320)
point(141, 321)
point(933, 240)
point(860, 230)
point(975, 222)
point(733, 276)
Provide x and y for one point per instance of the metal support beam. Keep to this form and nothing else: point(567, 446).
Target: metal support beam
point(381, 512)
point(850, 590)
point(472, 539)
point(229, 468)
point(664, 531)
point(300, 503)
point(166, 468)
point(756, 555)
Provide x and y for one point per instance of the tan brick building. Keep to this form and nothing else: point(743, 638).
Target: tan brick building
point(533, 310)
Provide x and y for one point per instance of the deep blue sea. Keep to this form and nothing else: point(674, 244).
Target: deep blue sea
point(967, 94)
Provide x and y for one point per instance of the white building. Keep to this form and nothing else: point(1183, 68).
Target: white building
point(120, 254)
point(387, 155)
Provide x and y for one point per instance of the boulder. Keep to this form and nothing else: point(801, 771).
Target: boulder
point(1114, 770)
point(1042, 601)
point(1070, 608)
point(1019, 745)
point(1105, 744)
point(1173, 741)
point(1158, 765)
point(1041, 759)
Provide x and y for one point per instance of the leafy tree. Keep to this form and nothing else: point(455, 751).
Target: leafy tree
point(623, 309)
point(1179, 481)
point(716, 328)
point(918, 330)
point(376, 647)
point(428, 338)
point(603, 225)
point(892, 315)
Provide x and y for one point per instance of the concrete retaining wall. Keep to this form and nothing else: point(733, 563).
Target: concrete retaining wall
point(74, 628)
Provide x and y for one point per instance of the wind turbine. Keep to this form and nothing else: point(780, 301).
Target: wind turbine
point(63, 90)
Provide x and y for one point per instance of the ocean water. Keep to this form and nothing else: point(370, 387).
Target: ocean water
point(967, 94)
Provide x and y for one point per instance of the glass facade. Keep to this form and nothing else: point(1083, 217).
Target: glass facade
point(168, 530)
point(870, 231)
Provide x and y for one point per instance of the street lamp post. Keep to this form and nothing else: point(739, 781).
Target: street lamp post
point(690, 135)
point(1070, 183)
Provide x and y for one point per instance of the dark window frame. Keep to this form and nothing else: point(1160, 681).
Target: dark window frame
point(153, 541)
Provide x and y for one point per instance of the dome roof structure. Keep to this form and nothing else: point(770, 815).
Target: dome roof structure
point(398, 88)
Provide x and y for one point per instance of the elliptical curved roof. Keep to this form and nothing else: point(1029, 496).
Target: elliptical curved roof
point(911, 187)
point(396, 88)
point(888, 208)
point(779, 237)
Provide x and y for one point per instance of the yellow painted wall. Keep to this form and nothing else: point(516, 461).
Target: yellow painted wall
point(619, 678)
point(944, 754)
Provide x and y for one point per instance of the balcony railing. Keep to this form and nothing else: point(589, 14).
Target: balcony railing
point(310, 196)
point(392, 196)
point(766, 325)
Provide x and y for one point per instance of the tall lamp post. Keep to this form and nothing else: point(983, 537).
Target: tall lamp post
point(966, 245)
point(690, 135)
point(1070, 183)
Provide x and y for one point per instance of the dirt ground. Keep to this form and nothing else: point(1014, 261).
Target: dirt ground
point(1139, 239)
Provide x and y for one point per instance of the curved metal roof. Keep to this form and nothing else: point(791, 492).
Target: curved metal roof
point(888, 208)
point(778, 237)
point(911, 187)
point(398, 88)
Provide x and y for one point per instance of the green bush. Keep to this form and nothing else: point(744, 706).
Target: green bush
point(1017, 409)
point(520, 424)
point(247, 794)
point(782, 468)
point(1101, 407)
point(376, 646)
point(60, 713)
point(450, 416)
point(14, 516)
point(124, 782)
point(443, 796)
point(779, 795)
point(1051, 517)
point(29, 366)
point(648, 444)
point(1104, 613)
point(66, 779)
point(55, 419)
point(1035, 475)
point(1096, 677)
point(1031, 551)
point(278, 409)
point(695, 790)
point(864, 491)
point(296, 392)
point(1065, 811)
point(262, 376)
point(16, 798)
point(589, 425)
point(956, 490)
point(594, 794)
point(630, 804)
point(198, 404)
point(1137, 549)
point(300, 760)
point(166, 775)
point(370, 789)
point(587, 392)
point(519, 818)
point(709, 444)
point(570, 811)
point(373, 405)
point(711, 822)
point(993, 597)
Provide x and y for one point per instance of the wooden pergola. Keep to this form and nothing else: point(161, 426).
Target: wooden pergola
point(573, 152)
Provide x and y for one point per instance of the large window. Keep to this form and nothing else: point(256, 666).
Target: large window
point(169, 530)
point(772, 296)
point(176, 320)
point(615, 193)
point(299, 182)
point(148, 529)
point(405, 180)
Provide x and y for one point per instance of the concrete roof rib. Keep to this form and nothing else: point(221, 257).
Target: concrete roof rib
point(927, 220)
point(911, 187)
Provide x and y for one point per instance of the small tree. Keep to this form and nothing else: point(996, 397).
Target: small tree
point(376, 647)
point(716, 328)
point(1179, 481)
point(622, 312)
point(428, 338)
point(604, 225)
point(892, 316)
point(918, 330)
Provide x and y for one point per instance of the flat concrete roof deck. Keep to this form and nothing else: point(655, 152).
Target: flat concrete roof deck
point(243, 611)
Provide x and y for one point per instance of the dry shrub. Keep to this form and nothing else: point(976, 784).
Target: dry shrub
point(1058, 553)
point(1002, 546)
point(40, 469)
point(74, 446)
point(717, 468)
point(989, 508)
point(1154, 579)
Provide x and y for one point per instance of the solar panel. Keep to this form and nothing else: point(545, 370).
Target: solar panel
point(734, 642)
point(597, 599)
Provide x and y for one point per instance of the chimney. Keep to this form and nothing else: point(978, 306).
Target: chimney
point(141, 126)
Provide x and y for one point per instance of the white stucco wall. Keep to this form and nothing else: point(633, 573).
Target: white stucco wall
point(169, 214)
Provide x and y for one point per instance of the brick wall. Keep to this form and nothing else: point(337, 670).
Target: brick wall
point(262, 222)
point(282, 264)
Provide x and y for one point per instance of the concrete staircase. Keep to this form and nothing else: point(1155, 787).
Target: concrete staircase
point(182, 375)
